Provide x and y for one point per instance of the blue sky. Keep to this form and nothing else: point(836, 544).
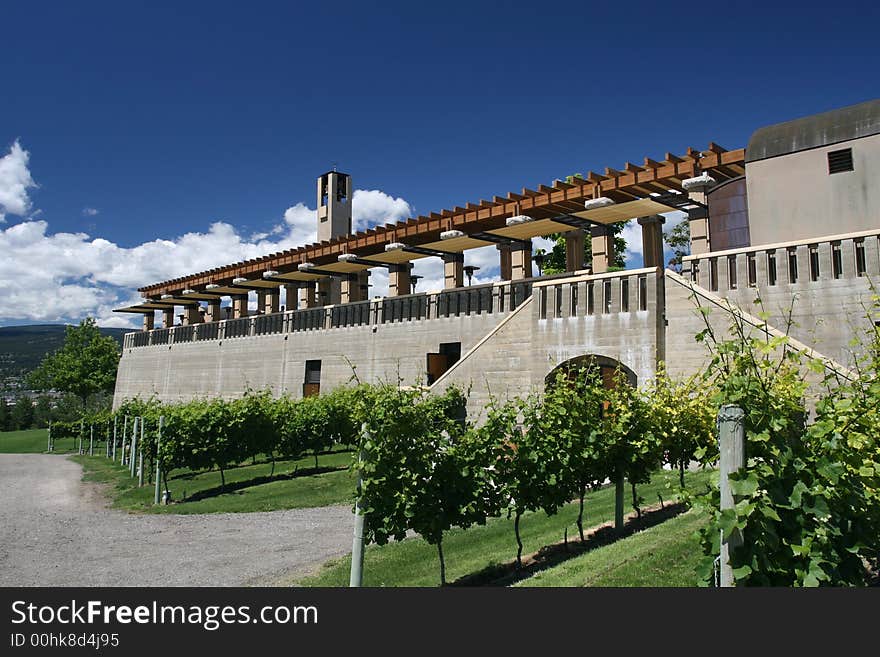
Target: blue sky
point(140, 122)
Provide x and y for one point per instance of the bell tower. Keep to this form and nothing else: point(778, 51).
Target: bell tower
point(334, 205)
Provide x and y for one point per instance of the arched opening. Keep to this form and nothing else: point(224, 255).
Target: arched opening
point(607, 368)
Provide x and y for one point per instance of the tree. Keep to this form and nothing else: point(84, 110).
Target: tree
point(22, 414)
point(4, 416)
point(86, 364)
point(678, 238)
point(554, 261)
point(42, 412)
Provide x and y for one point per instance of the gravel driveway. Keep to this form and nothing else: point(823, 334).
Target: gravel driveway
point(56, 530)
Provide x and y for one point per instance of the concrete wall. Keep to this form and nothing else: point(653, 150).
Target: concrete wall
point(827, 313)
point(793, 197)
point(547, 331)
point(227, 368)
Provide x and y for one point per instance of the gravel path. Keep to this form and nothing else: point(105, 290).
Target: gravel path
point(56, 530)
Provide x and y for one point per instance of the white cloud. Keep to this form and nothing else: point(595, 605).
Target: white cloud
point(90, 212)
point(15, 181)
point(372, 207)
point(91, 275)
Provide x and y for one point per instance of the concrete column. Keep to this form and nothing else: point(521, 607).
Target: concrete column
point(848, 258)
point(520, 262)
point(698, 218)
point(602, 246)
point(213, 312)
point(574, 250)
point(308, 295)
point(872, 257)
point(399, 282)
point(803, 263)
point(453, 270)
point(261, 302)
point(329, 291)
point(354, 288)
point(504, 261)
point(742, 271)
point(191, 315)
point(239, 306)
point(272, 304)
point(149, 320)
point(652, 239)
point(168, 317)
point(291, 296)
point(826, 265)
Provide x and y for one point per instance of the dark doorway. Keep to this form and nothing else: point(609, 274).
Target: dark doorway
point(312, 384)
point(439, 362)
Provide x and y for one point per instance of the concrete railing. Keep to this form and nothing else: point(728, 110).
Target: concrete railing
point(816, 260)
point(627, 291)
point(501, 297)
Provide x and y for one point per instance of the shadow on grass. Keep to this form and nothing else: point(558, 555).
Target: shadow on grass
point(233, 486)
point(507, 574)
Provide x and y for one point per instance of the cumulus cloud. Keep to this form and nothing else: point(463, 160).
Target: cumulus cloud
point(15, 181)
point(91, 275)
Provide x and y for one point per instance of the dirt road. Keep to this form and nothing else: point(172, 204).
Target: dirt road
point(56, 530)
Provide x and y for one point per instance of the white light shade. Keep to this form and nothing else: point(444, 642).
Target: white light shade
point(451, 234)
point(701, 182)
point(239, 280)
point(346, 257)
point(211, 286)
point(188, 291)
point(596, 203)
point(394, 246)
point(167, 296)
point(305, 266)
point(519, 219)
point(270, 273)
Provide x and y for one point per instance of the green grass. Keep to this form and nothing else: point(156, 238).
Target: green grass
point(485, 549)
point(295, 484)
point(30, 441)
point(665, 555)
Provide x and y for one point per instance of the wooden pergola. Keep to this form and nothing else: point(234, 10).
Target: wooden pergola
point(637, 190)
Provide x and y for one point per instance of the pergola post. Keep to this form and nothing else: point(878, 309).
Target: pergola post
point(574, 250)
point(191, 314)
point(652, 239)
point(272, 301)
point(168, 317)
point(521, 262)
point(354, 287)
point(307, 296)
point(453, 270)
point(505, 262)
point(261, 301)
point(149, 320)
point(239, 306)
point(602, 246)
point(399, 282)
point(213, 313)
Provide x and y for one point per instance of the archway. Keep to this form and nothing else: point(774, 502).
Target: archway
point(607, 368)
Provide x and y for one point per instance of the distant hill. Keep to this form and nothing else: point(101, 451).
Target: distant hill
point(23, 347)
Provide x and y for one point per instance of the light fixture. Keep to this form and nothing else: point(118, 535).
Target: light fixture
point(239, 280)
point(519, 219)
point(188, 291)
point(395, 246)
point(413, 279)
point(451, 234)
point(305, 266)
point(269, 273)
point(538, 259)
point(469, 270)
point(699, 183)
point(167, 296)
point(211, 286)
point(346, 257)
point(599, 202)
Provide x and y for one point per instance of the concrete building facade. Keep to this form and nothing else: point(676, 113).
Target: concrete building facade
point(794, 220)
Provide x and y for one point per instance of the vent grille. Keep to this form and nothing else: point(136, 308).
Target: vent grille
point(840, 161)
